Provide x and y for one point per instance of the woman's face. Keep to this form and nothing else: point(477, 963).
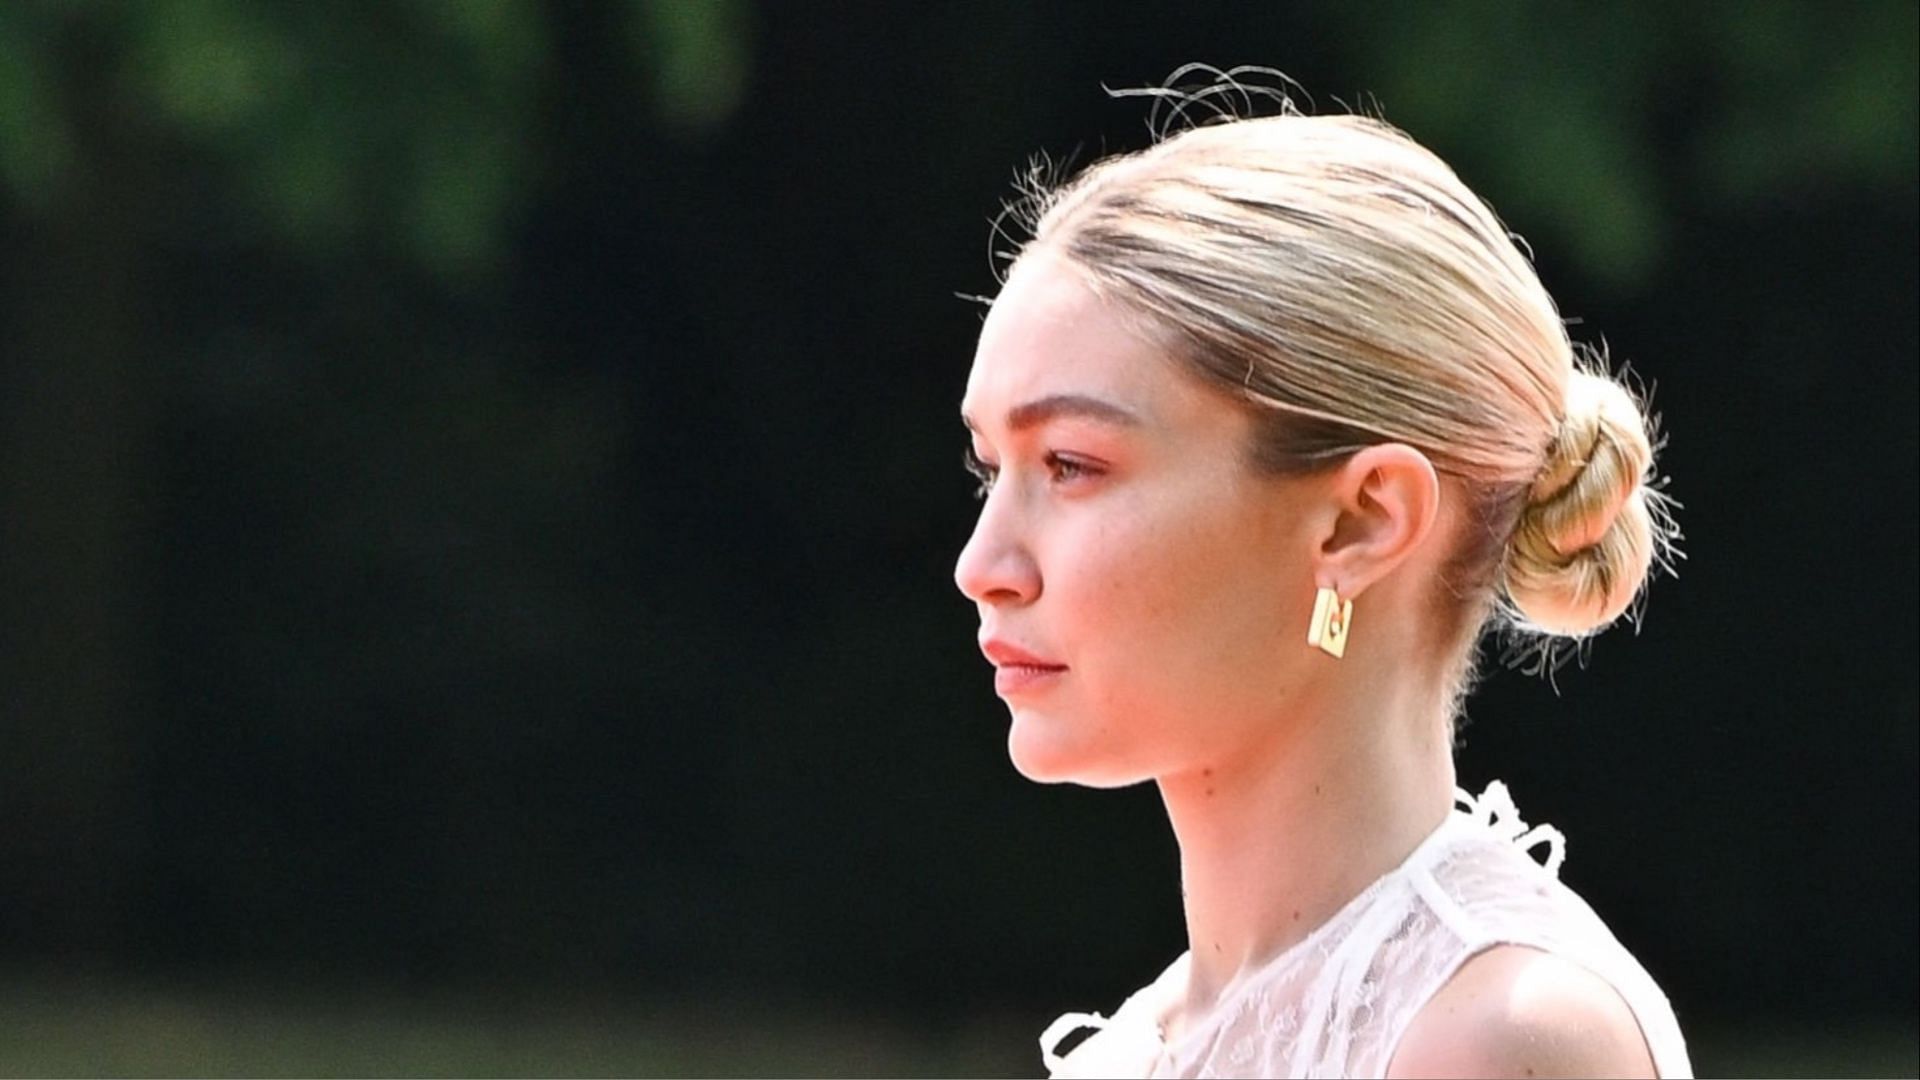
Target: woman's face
point(1143, 593)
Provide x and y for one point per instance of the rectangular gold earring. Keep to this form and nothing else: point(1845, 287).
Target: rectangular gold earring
point(1331, 618)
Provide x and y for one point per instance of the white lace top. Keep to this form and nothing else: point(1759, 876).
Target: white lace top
point(1337, 1003)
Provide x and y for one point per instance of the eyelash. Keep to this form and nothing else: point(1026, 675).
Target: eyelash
point(981, 471)
point(1061, 468)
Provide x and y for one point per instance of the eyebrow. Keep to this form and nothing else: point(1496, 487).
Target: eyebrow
point(1034, 413)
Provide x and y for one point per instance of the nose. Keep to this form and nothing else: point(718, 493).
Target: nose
point(996, 566)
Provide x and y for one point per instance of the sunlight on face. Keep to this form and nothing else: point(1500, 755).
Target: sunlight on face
point(1140, 587)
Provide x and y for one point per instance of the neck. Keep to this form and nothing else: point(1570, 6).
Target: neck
point(1275, 842)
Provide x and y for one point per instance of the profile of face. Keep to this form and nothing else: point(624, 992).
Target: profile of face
point(1142, 589)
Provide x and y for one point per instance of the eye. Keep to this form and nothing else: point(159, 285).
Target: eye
point(1066, 469)
point(982, 472)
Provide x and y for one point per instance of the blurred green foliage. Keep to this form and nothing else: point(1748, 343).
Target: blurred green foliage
point(418, 121)
point(1570, 108)
point(699, 55)
point(415, 125)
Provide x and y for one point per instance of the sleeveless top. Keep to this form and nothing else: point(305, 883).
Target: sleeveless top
point(1338, 1002)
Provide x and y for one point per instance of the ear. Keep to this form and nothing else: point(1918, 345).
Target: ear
point(1388, 497)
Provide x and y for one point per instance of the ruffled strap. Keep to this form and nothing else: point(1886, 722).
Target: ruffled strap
point(1127, 1044)
point(1494, 810)
point(1066, 1025)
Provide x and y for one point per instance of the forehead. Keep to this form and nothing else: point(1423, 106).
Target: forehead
point(1049, 333)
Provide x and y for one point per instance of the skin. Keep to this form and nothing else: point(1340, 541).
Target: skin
point(1125, 541)
point(1514, 1011)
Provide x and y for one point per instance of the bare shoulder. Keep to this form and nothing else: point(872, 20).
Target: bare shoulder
point(1514, 1011)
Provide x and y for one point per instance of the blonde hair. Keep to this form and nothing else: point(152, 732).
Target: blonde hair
point(1342, 281)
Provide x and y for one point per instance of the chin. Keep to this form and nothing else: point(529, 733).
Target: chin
point(1046, 751)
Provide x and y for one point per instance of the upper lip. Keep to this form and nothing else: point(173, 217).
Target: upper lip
point(1006, 654)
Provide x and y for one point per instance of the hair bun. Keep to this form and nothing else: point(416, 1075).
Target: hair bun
point(1585, 540)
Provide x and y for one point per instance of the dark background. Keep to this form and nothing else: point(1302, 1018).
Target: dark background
point(479, 484)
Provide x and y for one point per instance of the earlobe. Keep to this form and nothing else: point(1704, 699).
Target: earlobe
point(1389, 498)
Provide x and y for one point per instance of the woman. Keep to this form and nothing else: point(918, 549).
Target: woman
point(1273, 421)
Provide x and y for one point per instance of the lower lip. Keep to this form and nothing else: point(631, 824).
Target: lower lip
point(1024, 678)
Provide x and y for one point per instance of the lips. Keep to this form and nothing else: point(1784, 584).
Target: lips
point(1018, 671)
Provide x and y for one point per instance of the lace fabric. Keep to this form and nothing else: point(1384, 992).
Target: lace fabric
point(1337, 1003)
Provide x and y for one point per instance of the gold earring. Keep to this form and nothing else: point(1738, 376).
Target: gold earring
point(1332, 617)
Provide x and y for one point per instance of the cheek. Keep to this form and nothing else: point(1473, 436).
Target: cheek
point(1179, 609)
